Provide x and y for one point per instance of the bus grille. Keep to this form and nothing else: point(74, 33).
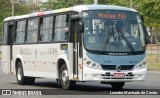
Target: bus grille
point(113, 67)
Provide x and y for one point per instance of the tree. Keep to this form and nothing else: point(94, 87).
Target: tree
point(22, 9)
point(56, 4)
point(6, 10)
point(5, 6)
point(150, 9)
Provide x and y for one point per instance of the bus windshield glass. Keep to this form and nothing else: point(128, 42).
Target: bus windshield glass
point(113, 31)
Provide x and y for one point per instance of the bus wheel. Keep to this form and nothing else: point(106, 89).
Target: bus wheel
point(117, 85)
point(64, 78)
point(21, 79)
point(58, 82)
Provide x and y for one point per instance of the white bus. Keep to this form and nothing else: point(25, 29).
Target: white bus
point(82, 43)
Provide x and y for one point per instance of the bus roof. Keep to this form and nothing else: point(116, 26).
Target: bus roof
point(78, 8)
point(81, 8)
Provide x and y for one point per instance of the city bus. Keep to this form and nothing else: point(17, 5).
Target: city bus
point(83, 43)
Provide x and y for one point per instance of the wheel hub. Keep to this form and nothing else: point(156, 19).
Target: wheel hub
point(19, 74)
point(65, 76)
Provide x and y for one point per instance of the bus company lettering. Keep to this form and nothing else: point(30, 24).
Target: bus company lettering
point(52, 51)
point(43, 53)
point(25, 51)
point(118, 54)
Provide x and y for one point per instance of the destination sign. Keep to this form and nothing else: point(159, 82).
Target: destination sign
point(112, 16)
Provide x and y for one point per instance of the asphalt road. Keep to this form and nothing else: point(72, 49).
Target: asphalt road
point(152, 82)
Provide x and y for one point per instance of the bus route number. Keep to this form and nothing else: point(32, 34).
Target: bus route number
point(52, 51)
point(112, 16)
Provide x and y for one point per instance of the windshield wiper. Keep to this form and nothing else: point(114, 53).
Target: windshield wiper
point(107, 40)
point(128, 43)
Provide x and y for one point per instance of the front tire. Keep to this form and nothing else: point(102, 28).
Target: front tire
point(118, 85)
point(21, 79)
point(64, 78)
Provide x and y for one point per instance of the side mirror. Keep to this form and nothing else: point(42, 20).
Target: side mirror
point(142, 18)
point(79, 25)
point(147, 40)
point(146, 36)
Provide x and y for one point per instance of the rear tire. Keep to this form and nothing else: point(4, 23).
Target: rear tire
point(64, 78)
point(58, 82)
point(118, 85)
point(21, 79)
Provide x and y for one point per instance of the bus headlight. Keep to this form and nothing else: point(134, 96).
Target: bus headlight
point(88, 62)
point(97, 66)
point(93, 65)
point(140, 65)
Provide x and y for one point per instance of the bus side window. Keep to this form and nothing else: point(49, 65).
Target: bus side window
point(32, 31)
point(46, 29)
point(61, 28)
point(20, 32)
point(5, 34)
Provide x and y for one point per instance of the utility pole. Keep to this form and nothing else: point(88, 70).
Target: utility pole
point(95, 1)
point(12, 7)
point(131, 4)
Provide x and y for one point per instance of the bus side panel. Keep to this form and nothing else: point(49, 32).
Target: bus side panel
point(32, 66)
point(6, 59)
point(69, 58)
point(39, 60)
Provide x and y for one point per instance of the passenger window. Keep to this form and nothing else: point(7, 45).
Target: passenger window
point(5, 34)
point(32, 31)
point(46, 29)
point(61, 28)
point(20, 32)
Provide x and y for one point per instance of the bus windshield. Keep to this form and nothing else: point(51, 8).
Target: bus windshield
point(113, 31)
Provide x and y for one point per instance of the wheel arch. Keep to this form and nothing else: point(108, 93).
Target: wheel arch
point(62, 60)
point(18, 59)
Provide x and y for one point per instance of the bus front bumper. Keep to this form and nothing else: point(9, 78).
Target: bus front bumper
point(90, 74)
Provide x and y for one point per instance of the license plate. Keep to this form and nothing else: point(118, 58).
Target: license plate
point(119, 75)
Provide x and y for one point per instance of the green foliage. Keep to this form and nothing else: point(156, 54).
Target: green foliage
point(21, 10)
point(56, 4)
point(6, 11)
point(5, 6)
point(125, 3)
point(150, 9)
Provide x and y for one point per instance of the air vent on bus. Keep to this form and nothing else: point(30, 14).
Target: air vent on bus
point(113, 67)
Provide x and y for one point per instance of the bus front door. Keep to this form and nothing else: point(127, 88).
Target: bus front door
point(11, 30)
point(77, 58)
